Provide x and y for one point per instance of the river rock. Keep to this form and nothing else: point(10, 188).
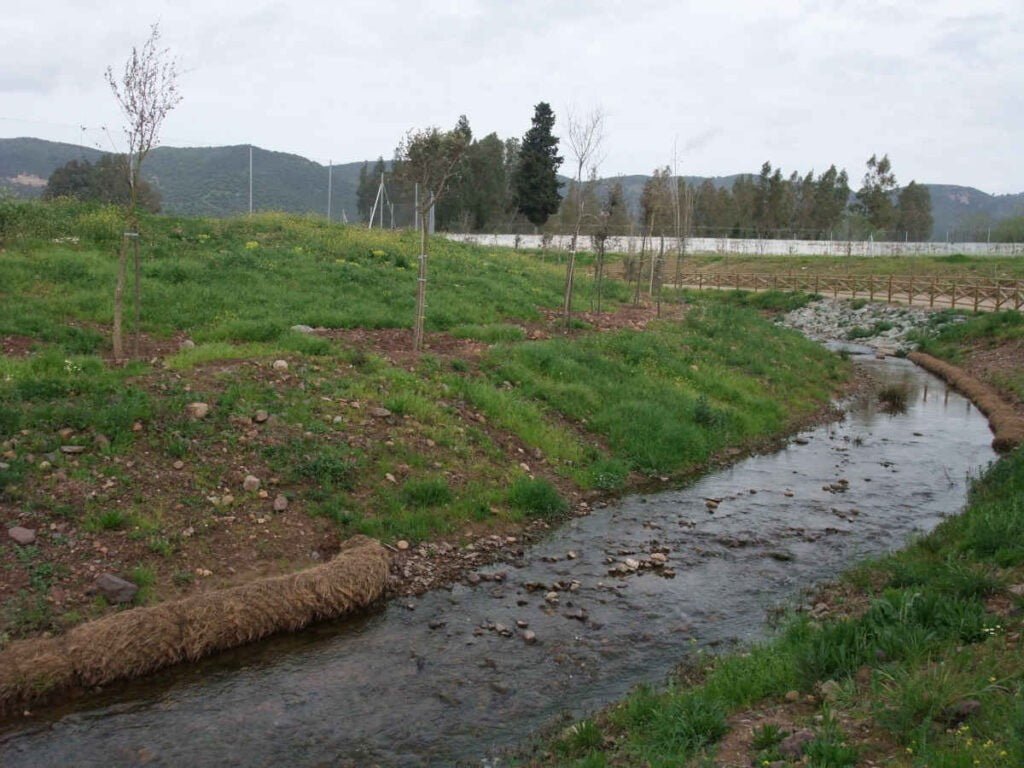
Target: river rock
point(529, 637)
point(280, 365)
point(280, 503)
point(197, 410)
point(23, 536)
point(260, 416)
point(115, 589)
point(187, 344)
point(71, 450)
point(300, 328)
point(251, 484)
point(380, 413)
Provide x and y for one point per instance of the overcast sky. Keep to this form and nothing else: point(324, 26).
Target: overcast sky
point(939, 85)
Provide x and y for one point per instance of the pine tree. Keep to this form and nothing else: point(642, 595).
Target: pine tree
point(537, 175)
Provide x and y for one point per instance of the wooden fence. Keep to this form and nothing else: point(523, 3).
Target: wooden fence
point(978, 294)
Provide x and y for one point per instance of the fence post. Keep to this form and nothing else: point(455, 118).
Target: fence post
point(910, 292)
point(952, 301)
point(871, 287)
point(931, 295)
point(889, 300)
point(975, 297)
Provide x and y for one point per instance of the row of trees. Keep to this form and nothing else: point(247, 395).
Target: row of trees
point(495, 182)
point(502, 185)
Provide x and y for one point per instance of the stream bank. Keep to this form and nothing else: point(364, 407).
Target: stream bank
point(610, 600)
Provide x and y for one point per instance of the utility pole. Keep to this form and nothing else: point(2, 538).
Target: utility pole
point(250, 179)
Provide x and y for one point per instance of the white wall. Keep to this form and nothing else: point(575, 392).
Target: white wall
point(759, 247)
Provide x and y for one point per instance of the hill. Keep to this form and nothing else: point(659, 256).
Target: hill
point(199, 181)
point(214, 181)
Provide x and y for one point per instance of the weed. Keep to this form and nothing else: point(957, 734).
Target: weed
point(536, 498)
point(893, 398)
point(110, 520)
point(428, 492)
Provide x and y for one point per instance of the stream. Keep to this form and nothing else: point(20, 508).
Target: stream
point(448, 678)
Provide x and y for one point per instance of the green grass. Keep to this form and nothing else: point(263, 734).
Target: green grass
point(237, 280)
point(665, 399)
point(927, 640)
point(536, 498)
point(951, 340)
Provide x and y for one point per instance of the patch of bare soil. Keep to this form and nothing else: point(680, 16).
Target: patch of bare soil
point(16, 346)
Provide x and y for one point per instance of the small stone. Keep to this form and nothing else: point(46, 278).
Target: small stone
point(402, 545)
point(571, 555)
point(522, 623)
point(551, 597)
point(380, 413)
point(45, 465)
point(659, 558)
point(23, 536)
point(204, 572)
point(280, 365)
point(227, 500)
point(101, 441)
point(260, 416)
point(436, 623)
point(529, 637)
point(197, 410)
point(66, 433)
point(632, 564)
point(962, 710)
point(300, 328)
point(251, 484)
point(115, 589)
point(792, 696)
point(179, 464)
point(830, 690)
point(390, 478)
point(792, 747)
point(280, 503)
point(137, 426)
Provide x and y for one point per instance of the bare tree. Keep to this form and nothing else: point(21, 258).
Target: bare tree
point(430, 159)
point(146, 91)
point(585, 136)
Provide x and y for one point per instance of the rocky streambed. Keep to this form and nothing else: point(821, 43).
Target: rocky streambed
point(456, 676)
point(890, 329)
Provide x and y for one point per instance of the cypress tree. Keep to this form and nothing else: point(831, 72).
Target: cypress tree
point(537, 175)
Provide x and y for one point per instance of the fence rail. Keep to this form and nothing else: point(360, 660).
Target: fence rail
point(978, 294)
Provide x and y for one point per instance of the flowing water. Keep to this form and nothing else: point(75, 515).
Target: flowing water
point(434, 682)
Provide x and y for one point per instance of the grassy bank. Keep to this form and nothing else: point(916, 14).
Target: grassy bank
point(991, 346)
point(952, 265)
point(502, 422)
point(917, 662)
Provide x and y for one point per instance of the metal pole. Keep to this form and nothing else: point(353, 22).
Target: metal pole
point(250, 179)
point(382, 200)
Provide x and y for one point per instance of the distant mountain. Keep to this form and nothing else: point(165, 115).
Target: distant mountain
point(199, 181)
point(214, 181)
point(966, 213)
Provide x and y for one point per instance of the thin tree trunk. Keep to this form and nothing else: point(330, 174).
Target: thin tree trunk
point(421, 287)
point(122, 268)
point(137, 326)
